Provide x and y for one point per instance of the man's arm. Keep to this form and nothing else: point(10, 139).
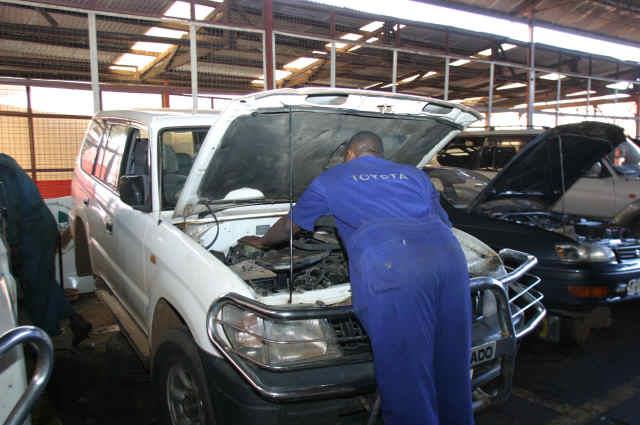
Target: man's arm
point(276, 235)
point(312, 204)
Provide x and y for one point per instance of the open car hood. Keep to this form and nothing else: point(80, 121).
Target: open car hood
point(269, 146)
point(550, 164)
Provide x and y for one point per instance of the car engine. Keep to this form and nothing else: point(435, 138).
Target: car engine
point(318, 262)
point(577, 228)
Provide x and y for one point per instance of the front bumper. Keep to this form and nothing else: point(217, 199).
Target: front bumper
point(519, 311)
point(561, 284)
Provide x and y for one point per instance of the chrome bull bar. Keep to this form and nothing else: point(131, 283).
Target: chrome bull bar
point(519, 311)
point(525, 303)
point(44, 366)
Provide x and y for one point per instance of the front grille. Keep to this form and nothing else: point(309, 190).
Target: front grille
point(628, 252)
point(350, 335)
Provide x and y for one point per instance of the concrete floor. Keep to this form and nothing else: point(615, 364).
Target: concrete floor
point(102, 381)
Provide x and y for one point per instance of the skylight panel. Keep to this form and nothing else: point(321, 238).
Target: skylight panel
point(351, 36)
point(301, 63)
point(134, 60)
point(165, 32)
point(460, 62)
point(511, 86)
point(554, 76)
point(147, 46)
point(182, 9)
point(372, 26)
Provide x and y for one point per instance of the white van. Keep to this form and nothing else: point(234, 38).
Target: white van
point(233, 333)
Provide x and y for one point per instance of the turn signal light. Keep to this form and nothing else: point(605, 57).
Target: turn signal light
point(589, 291)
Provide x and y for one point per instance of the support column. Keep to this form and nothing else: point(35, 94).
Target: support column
point(269, 52)
point(193, 51)
point(32, 140)
point(93, 62)
point(589, 95)
point(558, 93)
point(332, 64)
point(394, 71)
point(531, 99)
point(446, 78)
point(638, 116)
point(165, 96)
point(490, 100)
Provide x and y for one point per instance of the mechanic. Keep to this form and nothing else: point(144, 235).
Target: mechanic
point(408, 277)
point(32, 235)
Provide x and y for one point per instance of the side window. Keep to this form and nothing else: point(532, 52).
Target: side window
point(110, 156)
point(136, 162)
point(89, 149)
point(178, 149)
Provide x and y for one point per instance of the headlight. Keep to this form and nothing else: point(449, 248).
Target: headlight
point(276, 343)
point(584, 253)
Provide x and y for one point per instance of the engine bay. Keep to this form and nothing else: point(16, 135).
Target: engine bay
point(318, 262)
point(577, 228)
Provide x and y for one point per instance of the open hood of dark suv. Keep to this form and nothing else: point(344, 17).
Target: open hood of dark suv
point(550, 164)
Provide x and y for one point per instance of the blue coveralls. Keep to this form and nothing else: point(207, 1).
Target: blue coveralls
point(32, 235)
point(409, 285)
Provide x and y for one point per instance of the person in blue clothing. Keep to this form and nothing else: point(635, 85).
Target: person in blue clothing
point(32, 234)
point(408, 275)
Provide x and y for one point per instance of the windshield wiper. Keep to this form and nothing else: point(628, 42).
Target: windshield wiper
point(221, 204)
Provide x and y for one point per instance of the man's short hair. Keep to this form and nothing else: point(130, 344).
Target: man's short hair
point(366, 142)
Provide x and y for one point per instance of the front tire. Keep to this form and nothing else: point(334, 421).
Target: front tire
point(180, 382)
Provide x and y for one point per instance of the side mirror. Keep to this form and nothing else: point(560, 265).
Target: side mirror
point(595, 171)
point(135, 191)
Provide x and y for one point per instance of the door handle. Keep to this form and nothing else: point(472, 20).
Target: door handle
point(109, 227)
point(85, 201)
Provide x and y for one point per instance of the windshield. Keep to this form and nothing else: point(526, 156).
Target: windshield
point(625, 159)
point(254, 155)
point(457, 186)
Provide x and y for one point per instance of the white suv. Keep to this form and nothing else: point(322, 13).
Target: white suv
point(235, 334)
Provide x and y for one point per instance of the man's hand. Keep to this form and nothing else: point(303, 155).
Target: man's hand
point(255, 241)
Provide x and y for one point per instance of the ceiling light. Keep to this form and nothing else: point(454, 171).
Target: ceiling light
point(554, 76)
point(372, 26)
point(621, 85)
point(147, 46)
point(131, 59)
point(182, 9)
point(372, 39)
point(319, 52)
point(259, 83)
point(397, 27)
point(370, 86)
point(468, 100)
point(338, 45)
point(511, 86)
point(460, 62)
point(165, 32)
point(580, 93)
point(386, 86)
point(301, 63)
point(351, 36)
point(354, 48)
point(429, 74)
point(409, 79)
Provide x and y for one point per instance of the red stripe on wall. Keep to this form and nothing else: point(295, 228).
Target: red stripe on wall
point(54, 188)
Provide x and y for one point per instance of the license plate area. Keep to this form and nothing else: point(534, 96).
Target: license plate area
point(483, 353)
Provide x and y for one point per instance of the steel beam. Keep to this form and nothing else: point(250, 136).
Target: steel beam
point(193, 51)
point(93, 62)
point(490, 100)
point(446, 78)
point(269, 51)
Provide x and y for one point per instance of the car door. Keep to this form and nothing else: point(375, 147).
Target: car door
point(592, 195)
point(131, 227)
point(105, 203)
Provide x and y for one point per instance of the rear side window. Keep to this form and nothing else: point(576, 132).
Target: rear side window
point(90, 146)
point(178, 149)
